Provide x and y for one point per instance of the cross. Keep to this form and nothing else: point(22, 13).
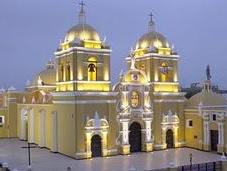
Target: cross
point(151, 15)
point(82, 4)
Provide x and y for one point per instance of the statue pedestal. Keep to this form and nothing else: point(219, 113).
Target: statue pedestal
point(220, 148)
point(148, 147)
point(206, 147)
point(125, 149)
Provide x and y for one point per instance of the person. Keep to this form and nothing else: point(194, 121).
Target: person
point(69, 168)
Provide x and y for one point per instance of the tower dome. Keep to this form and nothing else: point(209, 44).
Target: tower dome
point(152, 39)
point(82, 31)
point(46, 77)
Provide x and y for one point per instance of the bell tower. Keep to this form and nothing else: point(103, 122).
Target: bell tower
point(83, 59)
point(157, 59)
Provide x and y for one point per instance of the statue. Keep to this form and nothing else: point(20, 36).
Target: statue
point(133, 61)
point(208, 73)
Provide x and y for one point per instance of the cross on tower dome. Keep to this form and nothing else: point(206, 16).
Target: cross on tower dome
point(82, 14)
point(151, 24)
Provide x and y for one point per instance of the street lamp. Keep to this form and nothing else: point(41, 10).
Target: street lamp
point(190, 161)
point(29, 155)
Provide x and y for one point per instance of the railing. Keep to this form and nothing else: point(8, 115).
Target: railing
point(4, 167)
point(211, 166)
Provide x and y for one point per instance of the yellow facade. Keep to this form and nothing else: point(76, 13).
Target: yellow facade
point(71, 107)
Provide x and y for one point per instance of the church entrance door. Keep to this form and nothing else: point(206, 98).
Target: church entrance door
point(135, 137)
point(169, 139)
point(214, 140)
point(96, 146)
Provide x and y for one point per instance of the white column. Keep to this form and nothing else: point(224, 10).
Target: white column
point(175, 128)
point(163, 135)
point(42, 129)
point(206, 138)
point(31, 137)
point(175, 72)
point(156, 71)
point(23, 131)
point(220, 133)
point(54, 147)
point(148, 130)
point(125, 133)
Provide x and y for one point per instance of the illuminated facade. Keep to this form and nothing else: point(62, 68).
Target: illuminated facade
point(71, 107)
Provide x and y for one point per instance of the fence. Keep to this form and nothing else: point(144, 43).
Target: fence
point(212, 166)
point(4, 167)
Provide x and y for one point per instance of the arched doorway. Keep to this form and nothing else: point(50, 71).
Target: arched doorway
point(169, 139)
point(135, 137)
point(96, 146)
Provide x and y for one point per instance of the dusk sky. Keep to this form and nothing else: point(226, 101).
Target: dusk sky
point(30, 31)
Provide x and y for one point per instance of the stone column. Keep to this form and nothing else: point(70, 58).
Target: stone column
point(125, 147)
point(54, 147)
point(148, 144)
point(156, 71)
point(206, 136)
point(23, 124)
point(42, 135)
point(104, 143)
point(220, 137)
point(31, 137)
point(164, 145)
point(64, 72)
point(88, 144)
point(175, 128)
point(175, 72)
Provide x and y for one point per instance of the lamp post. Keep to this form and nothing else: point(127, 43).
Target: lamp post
point(190, 161)
point(29, 155)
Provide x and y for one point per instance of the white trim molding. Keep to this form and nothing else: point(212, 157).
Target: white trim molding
point(79, 93)
point(85, 102)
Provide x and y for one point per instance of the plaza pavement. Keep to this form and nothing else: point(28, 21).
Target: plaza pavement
point(44, 160)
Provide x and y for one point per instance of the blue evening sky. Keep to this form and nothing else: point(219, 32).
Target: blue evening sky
point(30, 31)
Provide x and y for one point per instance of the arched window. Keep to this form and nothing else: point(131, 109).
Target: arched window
point(92, 69)
point(164, 72)
point(135, 99)
point(68, 72)
point(61, 72)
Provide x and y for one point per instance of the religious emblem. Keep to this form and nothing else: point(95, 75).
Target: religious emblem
point(135, 99)
point(164, 69)
point(135, 77)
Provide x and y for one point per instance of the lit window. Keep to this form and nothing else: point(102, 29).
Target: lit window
point(214, 117)
point(2, 120)
point(61, 72)
point(68, 72)
point(92, 69)
point(189, 123)
point(164, 71)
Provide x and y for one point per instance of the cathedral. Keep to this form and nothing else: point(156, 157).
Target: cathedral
point(72, 107)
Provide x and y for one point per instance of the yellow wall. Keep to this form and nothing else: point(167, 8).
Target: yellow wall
point(195, 131)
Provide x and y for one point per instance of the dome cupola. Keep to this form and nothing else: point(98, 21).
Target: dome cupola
point(152, 41)
point(82, 34)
